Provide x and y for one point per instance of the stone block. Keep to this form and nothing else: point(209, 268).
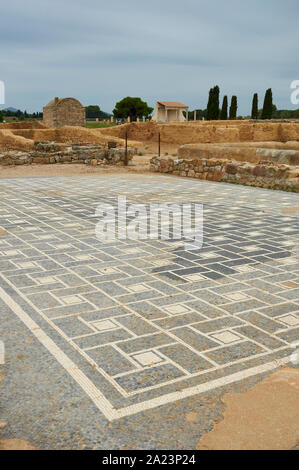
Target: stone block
point(231, 169)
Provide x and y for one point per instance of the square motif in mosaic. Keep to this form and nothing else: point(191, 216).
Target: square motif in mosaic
point(153, 321)
point(147, 358)
point(226, 337)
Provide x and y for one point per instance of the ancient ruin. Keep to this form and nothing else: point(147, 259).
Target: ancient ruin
point(64, 112)
point(247, 152)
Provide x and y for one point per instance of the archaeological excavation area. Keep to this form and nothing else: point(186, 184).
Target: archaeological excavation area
point(138, 343)
point(260, 153)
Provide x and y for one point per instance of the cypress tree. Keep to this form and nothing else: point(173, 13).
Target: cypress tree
point(213, 104)
point(254, 109)
point(233, 108)
point(268, 105)
point(216, 102)
point(210, 104)
point(223, 114)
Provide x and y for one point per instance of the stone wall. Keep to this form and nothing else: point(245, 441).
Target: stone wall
point(23, 139)
point(208, 131)
point(52, 152)
point(64, 112)
point(22, 125)
point(264, 174)
point(252, 152)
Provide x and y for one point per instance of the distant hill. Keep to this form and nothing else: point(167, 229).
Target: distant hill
point(12, 110)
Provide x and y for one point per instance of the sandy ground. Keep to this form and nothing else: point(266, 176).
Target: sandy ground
point(15, 444)
point(150, 147)
point(140, 164)
point(265, 417)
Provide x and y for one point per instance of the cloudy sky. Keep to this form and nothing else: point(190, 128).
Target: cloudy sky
point(101, 51)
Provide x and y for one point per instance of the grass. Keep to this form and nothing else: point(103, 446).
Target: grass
point(97, 125)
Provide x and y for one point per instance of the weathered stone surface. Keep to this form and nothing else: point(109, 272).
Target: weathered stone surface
point(51, 152)
point(40, 160)
point(218, 132)
point(265, 174)
point(231, 169)
point(259, 170)
point(64, 112)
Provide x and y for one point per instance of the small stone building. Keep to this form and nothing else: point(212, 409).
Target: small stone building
point(170, 111)
point(64, 112)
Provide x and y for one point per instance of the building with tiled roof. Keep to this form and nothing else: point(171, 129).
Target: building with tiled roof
point(170, 111)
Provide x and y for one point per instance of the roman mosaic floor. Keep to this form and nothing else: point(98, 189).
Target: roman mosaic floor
point(139, 324)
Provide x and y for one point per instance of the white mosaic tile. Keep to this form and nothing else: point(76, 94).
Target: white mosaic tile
point(176, 309)
point(194, 277)
point(237, 296)
point(11, 253)
point(105, 325)
point(46, 280)
point(27, 264)
point(71, 299)
point(82, 257)
point(138, 288)
point(226, 337)
point(290, 320)
point(108, 271)
point(147, 358)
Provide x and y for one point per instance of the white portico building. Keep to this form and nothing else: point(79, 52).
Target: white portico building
point(170, 111)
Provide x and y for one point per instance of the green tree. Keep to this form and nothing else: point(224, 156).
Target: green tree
point(268, 105)
point(209, 105)
point(255, 109)
point(200, 113)
point(1, 117)
point(92, 111)
point(213, 104)
point(223, 113)
point(233, 108)
point(132, 107)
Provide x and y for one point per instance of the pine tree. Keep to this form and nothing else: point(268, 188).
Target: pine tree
point(223, 114)
point(254, 109)
point(233, 108)
point(268, 105)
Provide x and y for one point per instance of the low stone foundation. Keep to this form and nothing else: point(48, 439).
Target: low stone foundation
point(264, 174)
point(252, 152)
point(52, 152)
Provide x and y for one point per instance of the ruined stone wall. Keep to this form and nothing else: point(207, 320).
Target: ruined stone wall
point(208, 131)
point(64, 112)
point(51, 152)
point(49, 116)
point(23, 139)
point(23, 125)
point(252, 152)
point(265, 174)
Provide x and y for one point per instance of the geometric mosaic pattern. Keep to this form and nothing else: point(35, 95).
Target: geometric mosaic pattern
point(146, 322)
